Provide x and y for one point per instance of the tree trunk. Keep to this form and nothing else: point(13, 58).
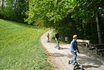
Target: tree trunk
point(2, 5)
point(15, 4)
point(98, 28)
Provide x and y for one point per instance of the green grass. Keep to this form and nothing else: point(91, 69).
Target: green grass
point(20, 47)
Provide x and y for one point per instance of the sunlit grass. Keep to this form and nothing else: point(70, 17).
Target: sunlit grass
point(20, 48)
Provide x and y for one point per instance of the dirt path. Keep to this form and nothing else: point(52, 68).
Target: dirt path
point(59, 58)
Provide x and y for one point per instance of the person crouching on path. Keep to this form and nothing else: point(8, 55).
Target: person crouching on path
point(74, 49)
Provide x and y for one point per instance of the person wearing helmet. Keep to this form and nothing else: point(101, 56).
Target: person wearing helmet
point(74, 49)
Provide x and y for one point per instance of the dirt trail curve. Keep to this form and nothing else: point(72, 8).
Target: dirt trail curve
point(59, 58)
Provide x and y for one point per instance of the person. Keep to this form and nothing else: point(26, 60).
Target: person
point(66, 39)
point(74, 49)
point(57, 39)
point(48, 36)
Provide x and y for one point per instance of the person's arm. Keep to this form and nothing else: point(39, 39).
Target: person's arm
point(78, 50)
point(77, 47)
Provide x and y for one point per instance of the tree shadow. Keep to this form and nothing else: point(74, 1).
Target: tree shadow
point(89, 62)
point(90, 66)
point(63, 48)
point(56, 55)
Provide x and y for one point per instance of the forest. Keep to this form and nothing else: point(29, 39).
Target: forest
point(82, 17)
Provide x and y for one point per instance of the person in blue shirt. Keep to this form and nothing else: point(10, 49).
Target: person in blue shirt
point(74, 49)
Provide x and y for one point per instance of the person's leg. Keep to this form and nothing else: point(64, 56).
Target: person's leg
point(74, 58)
point(56, 43)
point(71, 61)
point(48, 39)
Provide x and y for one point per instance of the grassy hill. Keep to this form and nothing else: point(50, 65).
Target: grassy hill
point(20, 48)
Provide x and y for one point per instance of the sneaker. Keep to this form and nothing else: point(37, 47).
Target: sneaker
point(76, 64)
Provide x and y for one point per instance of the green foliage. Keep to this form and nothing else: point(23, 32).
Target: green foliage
point(20, 48)
point(14, 9)
point(51, 10)
point(67, 16)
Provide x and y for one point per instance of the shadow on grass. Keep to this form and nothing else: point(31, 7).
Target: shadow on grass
point(23, 24)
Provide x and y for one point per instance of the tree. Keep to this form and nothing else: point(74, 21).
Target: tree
point(66, 16)
point(91, 8)
point(50, 10)
point(14, 9)
point(2, 4)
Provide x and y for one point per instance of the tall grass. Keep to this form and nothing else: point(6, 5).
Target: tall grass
point(20, 48)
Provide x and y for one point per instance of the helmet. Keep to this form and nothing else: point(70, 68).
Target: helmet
point(74, 36)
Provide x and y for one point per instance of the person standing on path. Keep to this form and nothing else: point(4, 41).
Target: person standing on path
point(74, 49)
point(48, 37)
point(57, 39)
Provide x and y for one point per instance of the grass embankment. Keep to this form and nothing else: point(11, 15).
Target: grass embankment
point(20, 48)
